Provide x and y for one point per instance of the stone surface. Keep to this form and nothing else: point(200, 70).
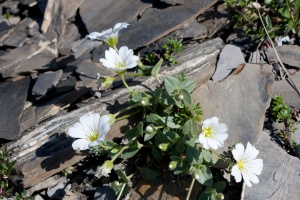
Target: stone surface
point(230, 58)
point(12, 101)
point(289, 54)
point(284, 88)
point(105, 193)
point(173, 2)
point(28, 118)
point(257, 57)
point(84, 46)
point(56, 14)
point(48, 183)
point(57, 192)
point(128, 11)
point(45, 82)
point(280, 175)
point(46, 149)
point(88, 70)
point(192, 30)
point(38, 54)
point(240, 101)
point(165, 21)
point(18, 35)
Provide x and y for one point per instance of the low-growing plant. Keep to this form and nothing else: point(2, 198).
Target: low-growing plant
point(281, 17)
point(282, 113)
point(168, 128)
point(172, 47)
point(7, 188)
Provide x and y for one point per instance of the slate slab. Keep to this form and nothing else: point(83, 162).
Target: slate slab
point(289, 54)
point(284, 88)
point(12, 101)
point(230, 58)
point(173, 2)
point(38, 53)
point(240, 101)
point(46, 82)
point(160, 22)
point(280, 175)
point(56, 14)
point(110, 12)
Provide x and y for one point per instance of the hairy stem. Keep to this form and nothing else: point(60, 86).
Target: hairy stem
point(190, 190)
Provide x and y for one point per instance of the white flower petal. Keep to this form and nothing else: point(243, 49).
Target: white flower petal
point(104, 126)
point(93, 36)
point(120, 26)
point(255, 166)
point(251, 152)
point(90, 121)
point(253, 178)
point(246, 179)
point(77, 131)
point(81, 144)
point(238, 151)
point(212, 143)
point(236, 173)
point(123, 51)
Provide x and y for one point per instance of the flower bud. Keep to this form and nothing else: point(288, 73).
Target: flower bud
point(163, 146)
point(144, 101)
point(220, 196)
point(172, 165)
point(105, 169)
point(149, 129)
point(107, 82)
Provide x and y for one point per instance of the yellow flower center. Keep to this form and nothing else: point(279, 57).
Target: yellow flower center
point(240, 165)
point(93, 136)
point(208, 131)
point(120, 65)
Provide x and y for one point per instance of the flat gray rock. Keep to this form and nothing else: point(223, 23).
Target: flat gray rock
point(289, 54)
point(45, 82)
point(280, 175)
point(38, 54)
point(284, 88)
point(12, 101)
point(18, 36)
point(230, 58)
point(109, 12)
point(192, 30)
point(56, 14)
point(173, 2)
point(240, 101)
point(88, 70)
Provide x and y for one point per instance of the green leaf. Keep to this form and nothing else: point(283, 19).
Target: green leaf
point(193, 155)
point(169, 121)
point(156, 153)
point(149, 136)
point(268, 22)
point(123, 176)
point(188, 127)
point(172, 136)
point(284, 12)
point(220, 186)
point(140, 127)
point(297, 5)
point(157, 67)
point(180, 146)
point(167, 99)
point(132, 134)
point(172, 83)
point(205, 175)
point(267, 2)
point(189, 85)
point(148, 174)
point(155, 119)
point(129, 152)
point(186, 95)
point(206, 155)
point(291, 25)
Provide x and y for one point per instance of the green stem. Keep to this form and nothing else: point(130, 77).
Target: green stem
point(225, 159)
point(156, 77)
point(120, 194)
point(119, 153)
point(124, 82)
point(126, 109)
point(126, 116)
point(137, 74)
point(190, 190)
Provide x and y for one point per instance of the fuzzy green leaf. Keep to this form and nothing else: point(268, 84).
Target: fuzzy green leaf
point(148, 174)
point(193, 155)
point(157, 67)
point(172, 83)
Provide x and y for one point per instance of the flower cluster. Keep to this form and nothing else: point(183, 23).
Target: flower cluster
point(171, 127)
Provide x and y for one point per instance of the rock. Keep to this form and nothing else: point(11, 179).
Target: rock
point(4, 26)
point(289, 54)
point(173, 2)
point(65, 85)
point(238, 38)
point(104, 19)
point(70, 35)
point(280, 175)
point(56, 14)
point(284, 88)
point(12, 101)
point(105, 193)
point(230, 58)
point(48, 147)
point(57, 192)
point(38, 197)
point(240, 101)
point(165, 21)
point(29, 3)
point(84, 46)
point(28, 118)
point(48, 183)
point(257, 57)
point(296, 135)
point(45, 82)
point(18, 35)
point(192, 30)
point(38, 54)
point(88, 70)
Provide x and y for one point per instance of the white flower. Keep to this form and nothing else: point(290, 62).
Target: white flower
point(110, 36)
point(91, 129)
point(213, 133)
point(119, 61)
point(247, 164)
point(105, 169)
